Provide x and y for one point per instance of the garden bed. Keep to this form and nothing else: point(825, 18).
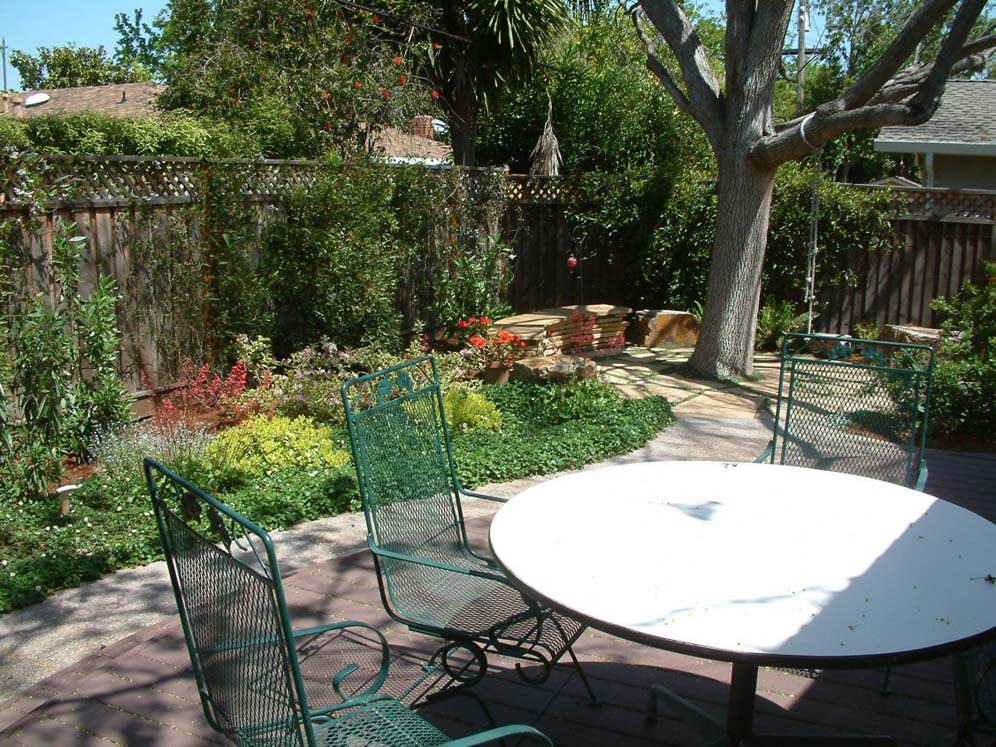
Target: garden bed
point(282, 469)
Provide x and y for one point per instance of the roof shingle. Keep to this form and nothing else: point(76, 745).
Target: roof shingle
point(967, 115)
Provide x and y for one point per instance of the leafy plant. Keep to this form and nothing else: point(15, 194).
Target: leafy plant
point(266, 445)
point(773, 321)
point(964, 391)
point(487, 344)
point(467, 409)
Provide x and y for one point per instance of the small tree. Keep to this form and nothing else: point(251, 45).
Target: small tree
point(735, 113)
point(70, 66)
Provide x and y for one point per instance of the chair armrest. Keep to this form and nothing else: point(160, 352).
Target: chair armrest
point(472, 494)
point(765, 455)
point(500, 732)
point(339, 677)
point(921, 480)
point(380, 551)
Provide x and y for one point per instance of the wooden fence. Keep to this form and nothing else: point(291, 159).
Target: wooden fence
point(942, 239)
point(124, 205)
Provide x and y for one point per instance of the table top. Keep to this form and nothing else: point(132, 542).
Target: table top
point(755, 562)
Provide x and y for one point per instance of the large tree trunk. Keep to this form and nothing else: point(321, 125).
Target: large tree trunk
point(726, 340)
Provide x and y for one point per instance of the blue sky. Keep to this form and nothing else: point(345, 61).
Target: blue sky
point(29, 24)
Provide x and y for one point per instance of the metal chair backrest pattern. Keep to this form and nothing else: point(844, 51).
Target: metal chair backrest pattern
point(861, 409)
point(234, 615)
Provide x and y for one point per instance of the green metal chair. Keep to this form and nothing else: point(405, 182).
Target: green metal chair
point(859, 407)
point(975, 693)
point(862, 409)
point(430, 577)
point(261, 682)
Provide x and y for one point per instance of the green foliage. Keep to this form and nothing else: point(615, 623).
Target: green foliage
point(852, 223)
point(303, 78)
point(266, 445)
point(775, 319)
point(139, 45)
point(538, 437)
point(964, 392)
point(173, 134)
point(332, 266)
point(49, 345)
point(70, 66)
point(467, 409)
point(608, 113)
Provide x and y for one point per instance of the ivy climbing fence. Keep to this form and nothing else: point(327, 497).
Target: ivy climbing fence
point(160, 226)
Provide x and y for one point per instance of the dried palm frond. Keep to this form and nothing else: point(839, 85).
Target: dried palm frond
point(546, 159)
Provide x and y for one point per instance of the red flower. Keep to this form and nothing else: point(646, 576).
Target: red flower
point(235, 101)
point(357, 84)
point(385, 93)
point(503, 336)
point(522, 343)
point(327, 125)
point(485, 320)
point(309, 12)
point(402, 79)
point(325, 95)
point(435, 94)
point(473, 320)
point(377, 19)
point(463, 323)
point(397, 60)
point(349, 40)
point(344, 59)
point(437, 45)
point(476, 341)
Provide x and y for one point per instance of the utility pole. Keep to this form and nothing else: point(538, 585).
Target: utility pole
point(800, 75)
point(3, 53)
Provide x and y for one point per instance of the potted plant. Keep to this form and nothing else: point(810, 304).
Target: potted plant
point(491, 351)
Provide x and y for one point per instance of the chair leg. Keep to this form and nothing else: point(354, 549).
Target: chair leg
point(702, 721)
point(593, 700)
point(884, 690)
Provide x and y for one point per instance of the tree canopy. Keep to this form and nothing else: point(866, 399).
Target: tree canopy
point(70, 66)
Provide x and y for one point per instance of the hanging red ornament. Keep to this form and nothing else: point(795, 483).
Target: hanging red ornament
point(572, 261)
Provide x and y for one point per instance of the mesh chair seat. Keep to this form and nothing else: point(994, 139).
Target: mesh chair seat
point(382, 723)
point(479, 607)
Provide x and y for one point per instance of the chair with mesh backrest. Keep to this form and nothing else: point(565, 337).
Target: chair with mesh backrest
point(260, 681)
point(431, 578)
point(861, 409)
point(856, 406)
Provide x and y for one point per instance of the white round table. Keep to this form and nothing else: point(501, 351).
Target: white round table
point(755, 564)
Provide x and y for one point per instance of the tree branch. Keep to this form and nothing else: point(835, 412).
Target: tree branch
point(908, 97)
point(701, 86)
point(916, 28)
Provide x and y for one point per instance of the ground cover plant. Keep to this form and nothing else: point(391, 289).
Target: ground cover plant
point(289, 463)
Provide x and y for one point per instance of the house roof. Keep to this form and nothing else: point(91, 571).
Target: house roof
point(139, 99)
point(400, 146)
point(965, 124)
point(117, 100)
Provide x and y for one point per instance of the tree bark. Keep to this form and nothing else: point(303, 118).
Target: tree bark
point(726, 339)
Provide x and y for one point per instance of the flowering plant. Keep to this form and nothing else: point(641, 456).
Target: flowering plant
point(486, 344)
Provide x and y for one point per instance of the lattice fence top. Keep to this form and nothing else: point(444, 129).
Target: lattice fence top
point(941, 204)
point(72, 180)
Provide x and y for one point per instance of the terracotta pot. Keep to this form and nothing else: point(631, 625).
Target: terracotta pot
point(496, 373)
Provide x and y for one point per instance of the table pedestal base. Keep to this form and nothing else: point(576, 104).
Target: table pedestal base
point(740, 719)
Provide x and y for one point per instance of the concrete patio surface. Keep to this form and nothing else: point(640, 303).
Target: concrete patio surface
point(105, 663)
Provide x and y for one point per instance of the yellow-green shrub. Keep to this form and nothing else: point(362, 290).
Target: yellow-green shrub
point(264, 445)
point(466, 408)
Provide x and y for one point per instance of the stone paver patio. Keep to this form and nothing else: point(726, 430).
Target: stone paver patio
point(105, 664)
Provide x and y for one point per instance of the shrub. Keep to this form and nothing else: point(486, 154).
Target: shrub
point(467, 409)
point(332, 265)
point(290, 496)
point(265, 446)
point(775, 319)
point(964, 391)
